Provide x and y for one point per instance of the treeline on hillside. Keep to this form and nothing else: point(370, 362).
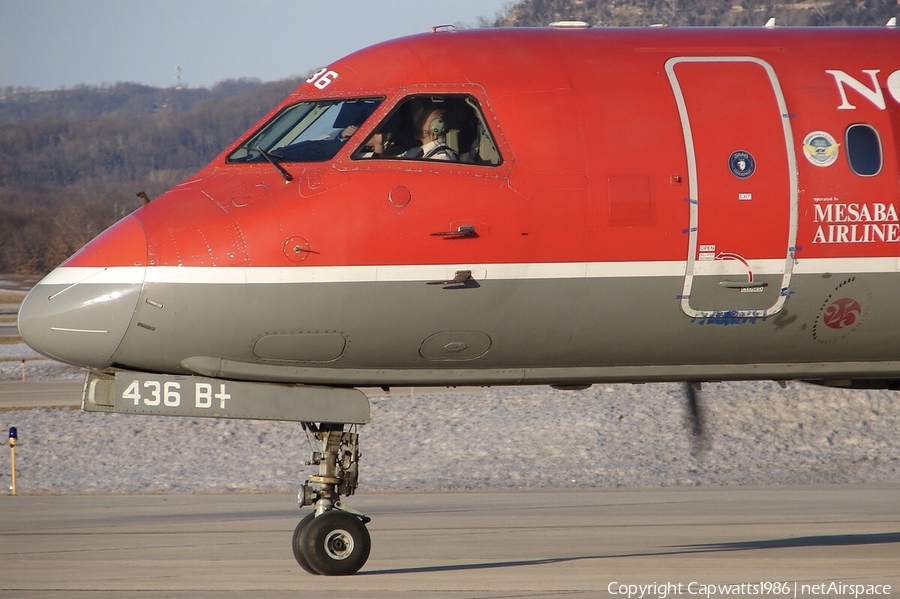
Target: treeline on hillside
point(641, 13)
point(125, 99)
point(71, 161)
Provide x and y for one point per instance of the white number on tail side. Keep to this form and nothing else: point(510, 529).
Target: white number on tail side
point(168, 393)
point(204, 395)
point(322, 78)
point(133, 392)
point(171, 397)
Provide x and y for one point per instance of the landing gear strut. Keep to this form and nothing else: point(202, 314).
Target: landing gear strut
point(332, 540)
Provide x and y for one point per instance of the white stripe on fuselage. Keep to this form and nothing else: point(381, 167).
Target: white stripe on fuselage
point(234, 275)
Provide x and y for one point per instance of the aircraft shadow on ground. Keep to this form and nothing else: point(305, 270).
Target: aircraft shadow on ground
point(814, 541)
point(809, 541)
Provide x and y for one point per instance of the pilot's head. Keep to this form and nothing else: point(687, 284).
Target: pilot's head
point(432, 126)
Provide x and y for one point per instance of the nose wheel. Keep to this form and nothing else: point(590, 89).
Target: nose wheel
point(334, 544)
point(333, 540)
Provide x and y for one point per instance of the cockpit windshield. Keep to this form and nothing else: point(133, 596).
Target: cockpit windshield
point(306, 132)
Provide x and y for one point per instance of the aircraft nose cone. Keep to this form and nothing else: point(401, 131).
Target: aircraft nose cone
point(79, 314)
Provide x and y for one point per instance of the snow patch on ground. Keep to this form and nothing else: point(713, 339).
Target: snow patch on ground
point(606, 436)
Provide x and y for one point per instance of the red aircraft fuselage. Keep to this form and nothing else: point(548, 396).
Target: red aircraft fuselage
point(631, 205)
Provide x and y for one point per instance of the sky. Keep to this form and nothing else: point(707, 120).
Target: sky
point(52, 44)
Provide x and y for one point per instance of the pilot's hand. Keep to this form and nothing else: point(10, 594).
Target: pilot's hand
point(376, 143)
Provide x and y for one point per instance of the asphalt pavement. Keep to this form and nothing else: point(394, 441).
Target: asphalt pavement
point(664, 542)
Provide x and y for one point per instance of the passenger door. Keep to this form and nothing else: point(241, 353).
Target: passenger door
point(742, 186)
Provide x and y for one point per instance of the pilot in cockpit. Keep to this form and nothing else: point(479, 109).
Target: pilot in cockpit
point(383, 142)
point(431, 131)
point(445, 128)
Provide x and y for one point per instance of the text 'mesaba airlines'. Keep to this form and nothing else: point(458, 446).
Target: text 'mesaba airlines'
point(493, 207)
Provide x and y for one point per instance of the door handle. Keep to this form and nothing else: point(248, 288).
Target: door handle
point(461, 232)
point(460, 278)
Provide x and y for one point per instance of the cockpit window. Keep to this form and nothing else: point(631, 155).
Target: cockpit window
point(307, 132)
point(433, 127)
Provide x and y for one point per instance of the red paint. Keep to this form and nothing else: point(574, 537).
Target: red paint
point(123, 244)
point(594, 168)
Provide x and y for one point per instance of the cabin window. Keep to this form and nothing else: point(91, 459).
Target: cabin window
point(306, 132)
point(863, 150)
point(433, 127)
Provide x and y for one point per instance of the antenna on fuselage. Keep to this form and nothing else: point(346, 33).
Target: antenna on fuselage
point(892, 22)
point(770, 24)
point(570, 25)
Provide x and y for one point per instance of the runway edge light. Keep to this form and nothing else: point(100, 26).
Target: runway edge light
point(13, 437)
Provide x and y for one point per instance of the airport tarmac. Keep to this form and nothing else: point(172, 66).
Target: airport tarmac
point(452, 545)
point(15, 395)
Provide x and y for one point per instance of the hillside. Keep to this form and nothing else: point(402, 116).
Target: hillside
point(638, 13)
point(71, 161)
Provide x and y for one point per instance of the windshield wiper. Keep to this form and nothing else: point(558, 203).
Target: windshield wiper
point(271, 159)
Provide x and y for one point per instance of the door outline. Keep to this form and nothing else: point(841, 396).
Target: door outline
point(693, 189)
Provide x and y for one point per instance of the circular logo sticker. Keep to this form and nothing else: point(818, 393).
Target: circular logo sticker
point(843, 311)
point(820, 148)
point(742, 164)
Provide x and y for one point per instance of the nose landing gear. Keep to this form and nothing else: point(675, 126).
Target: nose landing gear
point(332, 540)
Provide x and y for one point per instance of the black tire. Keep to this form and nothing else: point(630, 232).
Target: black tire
point(295, 543)
point(336, 544)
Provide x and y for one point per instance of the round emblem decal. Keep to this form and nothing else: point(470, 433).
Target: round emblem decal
point(842, 311)
point(820, 148)
point(742, 164)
